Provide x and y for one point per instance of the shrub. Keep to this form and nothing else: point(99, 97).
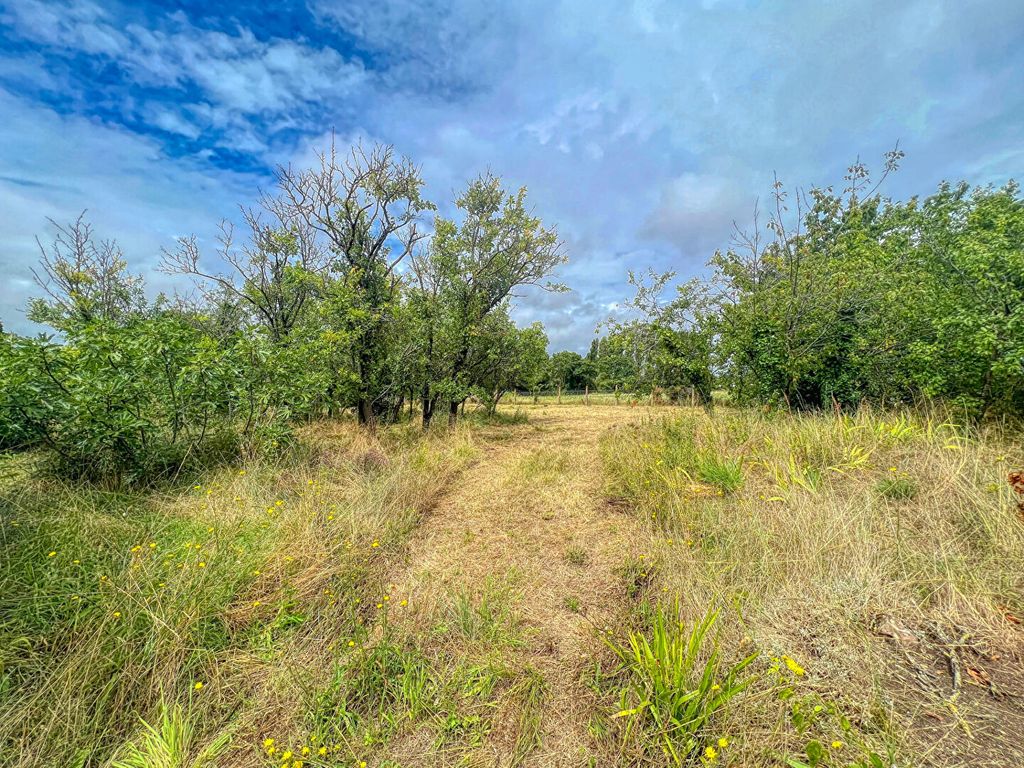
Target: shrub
point(130, 403)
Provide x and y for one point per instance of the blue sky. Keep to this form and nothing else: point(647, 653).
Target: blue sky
point(642, 129)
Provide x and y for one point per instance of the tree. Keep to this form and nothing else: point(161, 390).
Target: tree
point(470, 270)
point(367, 208)
point(274, 273)
point(84, 280)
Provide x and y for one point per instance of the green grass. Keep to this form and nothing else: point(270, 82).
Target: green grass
point(187, 607)
point(675, 685)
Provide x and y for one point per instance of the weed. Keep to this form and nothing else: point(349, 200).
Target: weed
point(576, 556)
point(676, 683)
point(724, 474)
point(897, 488)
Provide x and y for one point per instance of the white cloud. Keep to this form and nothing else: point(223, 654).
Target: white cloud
point(56, 167)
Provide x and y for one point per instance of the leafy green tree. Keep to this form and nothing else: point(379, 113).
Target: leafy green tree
point(470, 271)
point(366, 207)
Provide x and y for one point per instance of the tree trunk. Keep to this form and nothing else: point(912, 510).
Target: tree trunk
point(453, 412)
point(365, 411)
point(428, 406)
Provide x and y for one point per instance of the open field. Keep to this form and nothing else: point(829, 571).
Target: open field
point(510, 594)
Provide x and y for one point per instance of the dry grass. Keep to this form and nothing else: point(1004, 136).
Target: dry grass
point(868, 548)
point(864, 559)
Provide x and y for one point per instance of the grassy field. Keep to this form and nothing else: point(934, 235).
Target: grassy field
point(567, 585)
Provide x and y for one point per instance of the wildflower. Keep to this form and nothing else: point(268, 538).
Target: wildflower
point(351, 643)
point(52, 554)
point(404, 603)
point(306, 750)
point(202, 564)
point(386, 598)
point(197, 687)
point(75, 562)
point(362, 764)
point(723, 742)
point(322, 751)
point(716, 687)
point(375, 544)
point(710, 753)
point(287, 754)
point(152, 545)
point(278, 503)
point(136, 548)
point(117, 614)
point(267, 743)
point(241, 472)
point(255, 603)
point(380, 605)
point(795, 668)
point(837, 745)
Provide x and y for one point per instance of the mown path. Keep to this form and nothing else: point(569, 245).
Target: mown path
point(528, 521)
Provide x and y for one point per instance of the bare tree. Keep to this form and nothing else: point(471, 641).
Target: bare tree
point(84, 280)
point(274, 273)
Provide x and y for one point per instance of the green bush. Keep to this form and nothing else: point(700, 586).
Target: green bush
point(133, 402)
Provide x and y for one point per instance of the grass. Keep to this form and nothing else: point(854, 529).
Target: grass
point(762, 590)
point(811, 531)
point(229, 598)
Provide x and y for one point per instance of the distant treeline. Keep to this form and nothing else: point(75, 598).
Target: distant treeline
point(336, 298)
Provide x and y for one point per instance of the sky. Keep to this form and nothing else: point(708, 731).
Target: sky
point(642, 128)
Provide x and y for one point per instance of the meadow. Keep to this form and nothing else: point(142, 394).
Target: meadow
point(557, 584)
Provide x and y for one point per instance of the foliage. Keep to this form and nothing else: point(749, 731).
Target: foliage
point(677, 682)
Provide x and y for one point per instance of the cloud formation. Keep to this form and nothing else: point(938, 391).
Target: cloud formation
point(642, 129)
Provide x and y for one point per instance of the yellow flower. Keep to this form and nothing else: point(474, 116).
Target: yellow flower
point(404, 603)
point(351, 643)
point(241, 472)
point(287, 754)
point(267, 743)
point(380, 605)
point(117, 614)
point(710, 753)
point(305, 750)
point(375, 544)
point(362, 764)
point(202, 564)
point(795, 668)
point(255, 603)
point(723, 742)
point(52, 554)
point(837, 745)
point(322, 751)
point(198, 686)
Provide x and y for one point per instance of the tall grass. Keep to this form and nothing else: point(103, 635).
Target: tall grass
point(231, 598)
point(841, 523)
